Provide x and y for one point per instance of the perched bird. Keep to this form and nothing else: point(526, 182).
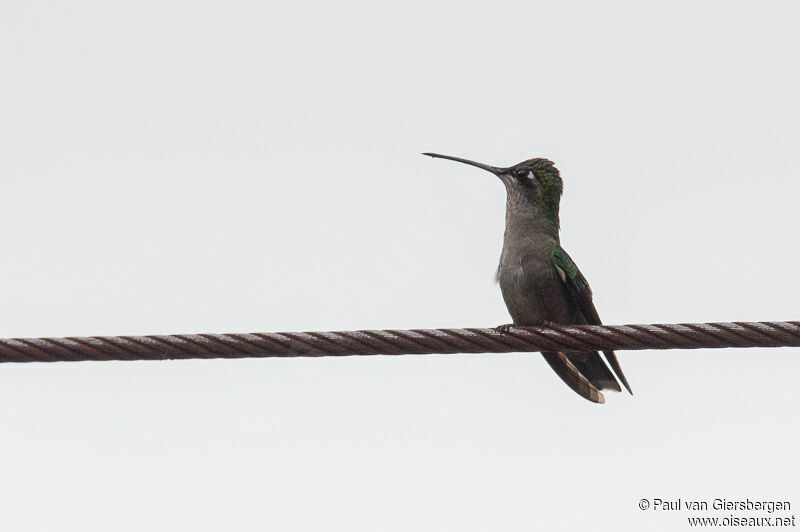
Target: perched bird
point(540, 283)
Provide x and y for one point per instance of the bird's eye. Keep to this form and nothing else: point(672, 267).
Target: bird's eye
point(522, 173)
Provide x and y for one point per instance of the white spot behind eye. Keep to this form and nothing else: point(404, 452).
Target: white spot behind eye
point(530, 175)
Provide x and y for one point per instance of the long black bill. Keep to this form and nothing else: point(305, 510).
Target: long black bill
point(493, 169)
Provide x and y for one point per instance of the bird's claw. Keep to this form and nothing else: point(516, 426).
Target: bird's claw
point(506, 328)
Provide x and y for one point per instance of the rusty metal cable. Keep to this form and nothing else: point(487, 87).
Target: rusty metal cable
point(403, 342)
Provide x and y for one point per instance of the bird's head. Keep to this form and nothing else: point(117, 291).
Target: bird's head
point(533, 187)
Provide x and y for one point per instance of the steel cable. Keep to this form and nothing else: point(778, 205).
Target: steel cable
point(403, 342)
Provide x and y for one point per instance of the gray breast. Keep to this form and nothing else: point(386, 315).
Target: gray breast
point(532, 289)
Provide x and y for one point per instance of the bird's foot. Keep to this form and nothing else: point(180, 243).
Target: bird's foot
point(506, 328)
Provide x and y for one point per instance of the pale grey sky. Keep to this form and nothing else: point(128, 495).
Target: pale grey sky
point(247, 166)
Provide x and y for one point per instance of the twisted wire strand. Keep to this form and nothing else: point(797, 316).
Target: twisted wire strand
point(403, 342)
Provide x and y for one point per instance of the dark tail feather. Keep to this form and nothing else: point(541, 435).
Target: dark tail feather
point(592, 366)
point(612, 359)
point(565, 369)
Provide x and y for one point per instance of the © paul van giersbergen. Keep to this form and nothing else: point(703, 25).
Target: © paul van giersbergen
point(540, 283)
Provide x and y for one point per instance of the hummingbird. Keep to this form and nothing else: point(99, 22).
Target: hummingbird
point(541, 284)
